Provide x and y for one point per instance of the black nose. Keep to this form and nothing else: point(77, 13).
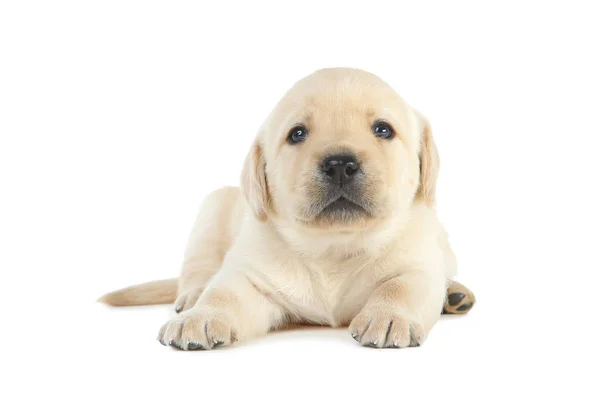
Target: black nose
point(340, 168)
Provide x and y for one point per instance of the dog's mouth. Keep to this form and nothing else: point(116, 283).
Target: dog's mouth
point(338, 206)
point(342, 209)
point(342, 205)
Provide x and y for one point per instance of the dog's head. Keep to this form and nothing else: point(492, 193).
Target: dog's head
point(340, 151)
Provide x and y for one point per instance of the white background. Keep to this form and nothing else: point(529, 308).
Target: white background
point(117, 117)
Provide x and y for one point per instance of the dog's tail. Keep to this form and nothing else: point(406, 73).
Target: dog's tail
point(155, 292)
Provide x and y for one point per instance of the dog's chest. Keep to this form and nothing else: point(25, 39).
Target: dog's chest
point(328, 293)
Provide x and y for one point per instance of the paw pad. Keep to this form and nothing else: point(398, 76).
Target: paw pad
point(459, 300)
point(455, 298)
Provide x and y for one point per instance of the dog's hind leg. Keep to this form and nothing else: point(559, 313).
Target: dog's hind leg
point(459, 299)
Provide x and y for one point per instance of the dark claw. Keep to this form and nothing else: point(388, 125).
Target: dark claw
point(455, 298)
point(465, 307)
point(195, 346)
point(178, 309)
point(176, 345)
point(371, 344)
point(218, 344)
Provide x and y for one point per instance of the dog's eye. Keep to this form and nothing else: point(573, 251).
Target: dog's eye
point(383, 130)
point(297, 134)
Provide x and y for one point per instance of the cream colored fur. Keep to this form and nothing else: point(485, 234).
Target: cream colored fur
point(259, 257)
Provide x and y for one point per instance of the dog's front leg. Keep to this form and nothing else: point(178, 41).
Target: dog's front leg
point(400, 311)
point(231, 309)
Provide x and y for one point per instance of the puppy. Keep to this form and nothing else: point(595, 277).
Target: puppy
point(334, 224)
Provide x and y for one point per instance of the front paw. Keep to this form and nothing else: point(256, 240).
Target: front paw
point(202, 329)
point(385, 327)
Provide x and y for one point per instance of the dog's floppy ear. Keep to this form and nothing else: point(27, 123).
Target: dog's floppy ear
point(429, 161)
point(254, 181)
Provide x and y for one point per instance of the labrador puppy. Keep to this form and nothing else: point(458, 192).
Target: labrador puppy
point(334, 224)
